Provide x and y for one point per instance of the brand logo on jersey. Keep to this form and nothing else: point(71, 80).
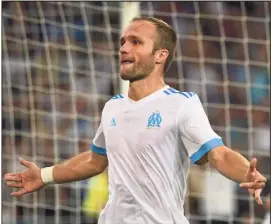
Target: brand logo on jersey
point(155, 120)
point(113, 122)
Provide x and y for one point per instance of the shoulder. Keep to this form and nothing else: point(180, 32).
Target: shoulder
point(117, 97)
point(113, 106)
point(115, 101)
point(184, 102)
point(173, 93)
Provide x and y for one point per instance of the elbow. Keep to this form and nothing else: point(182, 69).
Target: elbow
point(99, 169)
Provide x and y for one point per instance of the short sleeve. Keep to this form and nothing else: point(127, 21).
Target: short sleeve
point(98, 145)
point(195, 130)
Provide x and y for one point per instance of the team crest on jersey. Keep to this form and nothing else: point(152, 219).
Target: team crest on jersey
point(113, 122)
point(154, 120)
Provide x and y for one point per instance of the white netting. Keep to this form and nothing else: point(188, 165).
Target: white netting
point(60, 65)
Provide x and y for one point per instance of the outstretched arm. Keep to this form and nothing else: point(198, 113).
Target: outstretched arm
point(203, 145)
point(237, 168)
point(82, 166)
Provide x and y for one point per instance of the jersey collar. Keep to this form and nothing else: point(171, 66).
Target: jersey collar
point(150, 97)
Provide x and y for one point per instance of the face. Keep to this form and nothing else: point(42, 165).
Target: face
point(137, 59)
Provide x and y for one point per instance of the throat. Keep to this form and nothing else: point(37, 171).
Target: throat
point(138, 92)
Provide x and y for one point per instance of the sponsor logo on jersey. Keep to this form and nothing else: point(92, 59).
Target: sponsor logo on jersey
point(154, 120)
point(113, 122)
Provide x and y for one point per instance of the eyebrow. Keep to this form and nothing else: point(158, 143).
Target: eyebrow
point(130, 37)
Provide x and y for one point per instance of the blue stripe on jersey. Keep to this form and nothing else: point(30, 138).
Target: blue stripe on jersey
point(184, 94)
point(119, 96)
point(171, 90)
point(98, 150)
point(206, 147)
point(166, 92)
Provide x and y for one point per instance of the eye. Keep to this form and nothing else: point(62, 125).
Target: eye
point(136, 42)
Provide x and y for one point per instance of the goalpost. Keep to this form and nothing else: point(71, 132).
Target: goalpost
point(60, 65)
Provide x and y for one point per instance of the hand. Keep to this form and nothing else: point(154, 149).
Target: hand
point(28, 180)
point(254, 181)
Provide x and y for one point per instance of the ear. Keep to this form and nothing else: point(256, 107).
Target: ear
point(161, 56)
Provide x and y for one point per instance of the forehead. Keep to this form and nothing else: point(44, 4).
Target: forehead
point(144, 29)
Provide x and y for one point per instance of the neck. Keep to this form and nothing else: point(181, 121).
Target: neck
point(142, 88)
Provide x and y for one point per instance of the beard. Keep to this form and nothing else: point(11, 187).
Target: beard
point(137, 71)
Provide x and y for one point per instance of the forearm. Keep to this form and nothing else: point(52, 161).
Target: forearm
point(230, 164)
point(80, 167)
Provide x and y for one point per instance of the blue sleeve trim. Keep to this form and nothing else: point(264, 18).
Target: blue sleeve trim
point(98, 150)
point(206, 147)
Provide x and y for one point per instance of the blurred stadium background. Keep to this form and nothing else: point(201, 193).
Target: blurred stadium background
point(60, 65)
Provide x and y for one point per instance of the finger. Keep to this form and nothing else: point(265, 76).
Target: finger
point(262, 179)
point(253, 164)
point(258, 196)
point(16, 177)
point(14, 184)
point(255, 185)
point(251, 191)
point(25, 162)
point(19, 193)
point(251, 175)
point(12, 174)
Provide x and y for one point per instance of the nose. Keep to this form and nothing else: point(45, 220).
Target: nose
point(125, 48)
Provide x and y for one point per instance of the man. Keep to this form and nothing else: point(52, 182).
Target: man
point(147, 139)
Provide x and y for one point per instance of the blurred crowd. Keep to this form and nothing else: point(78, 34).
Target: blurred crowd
point(60, 65)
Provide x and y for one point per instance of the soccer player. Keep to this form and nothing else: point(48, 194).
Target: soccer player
point(147, 139)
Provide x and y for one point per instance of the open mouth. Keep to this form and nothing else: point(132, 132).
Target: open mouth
point(124, 62)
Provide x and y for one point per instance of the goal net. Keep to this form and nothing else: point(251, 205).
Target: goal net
point(60, 65)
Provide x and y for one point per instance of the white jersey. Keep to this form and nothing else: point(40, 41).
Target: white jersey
point(150, 144)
